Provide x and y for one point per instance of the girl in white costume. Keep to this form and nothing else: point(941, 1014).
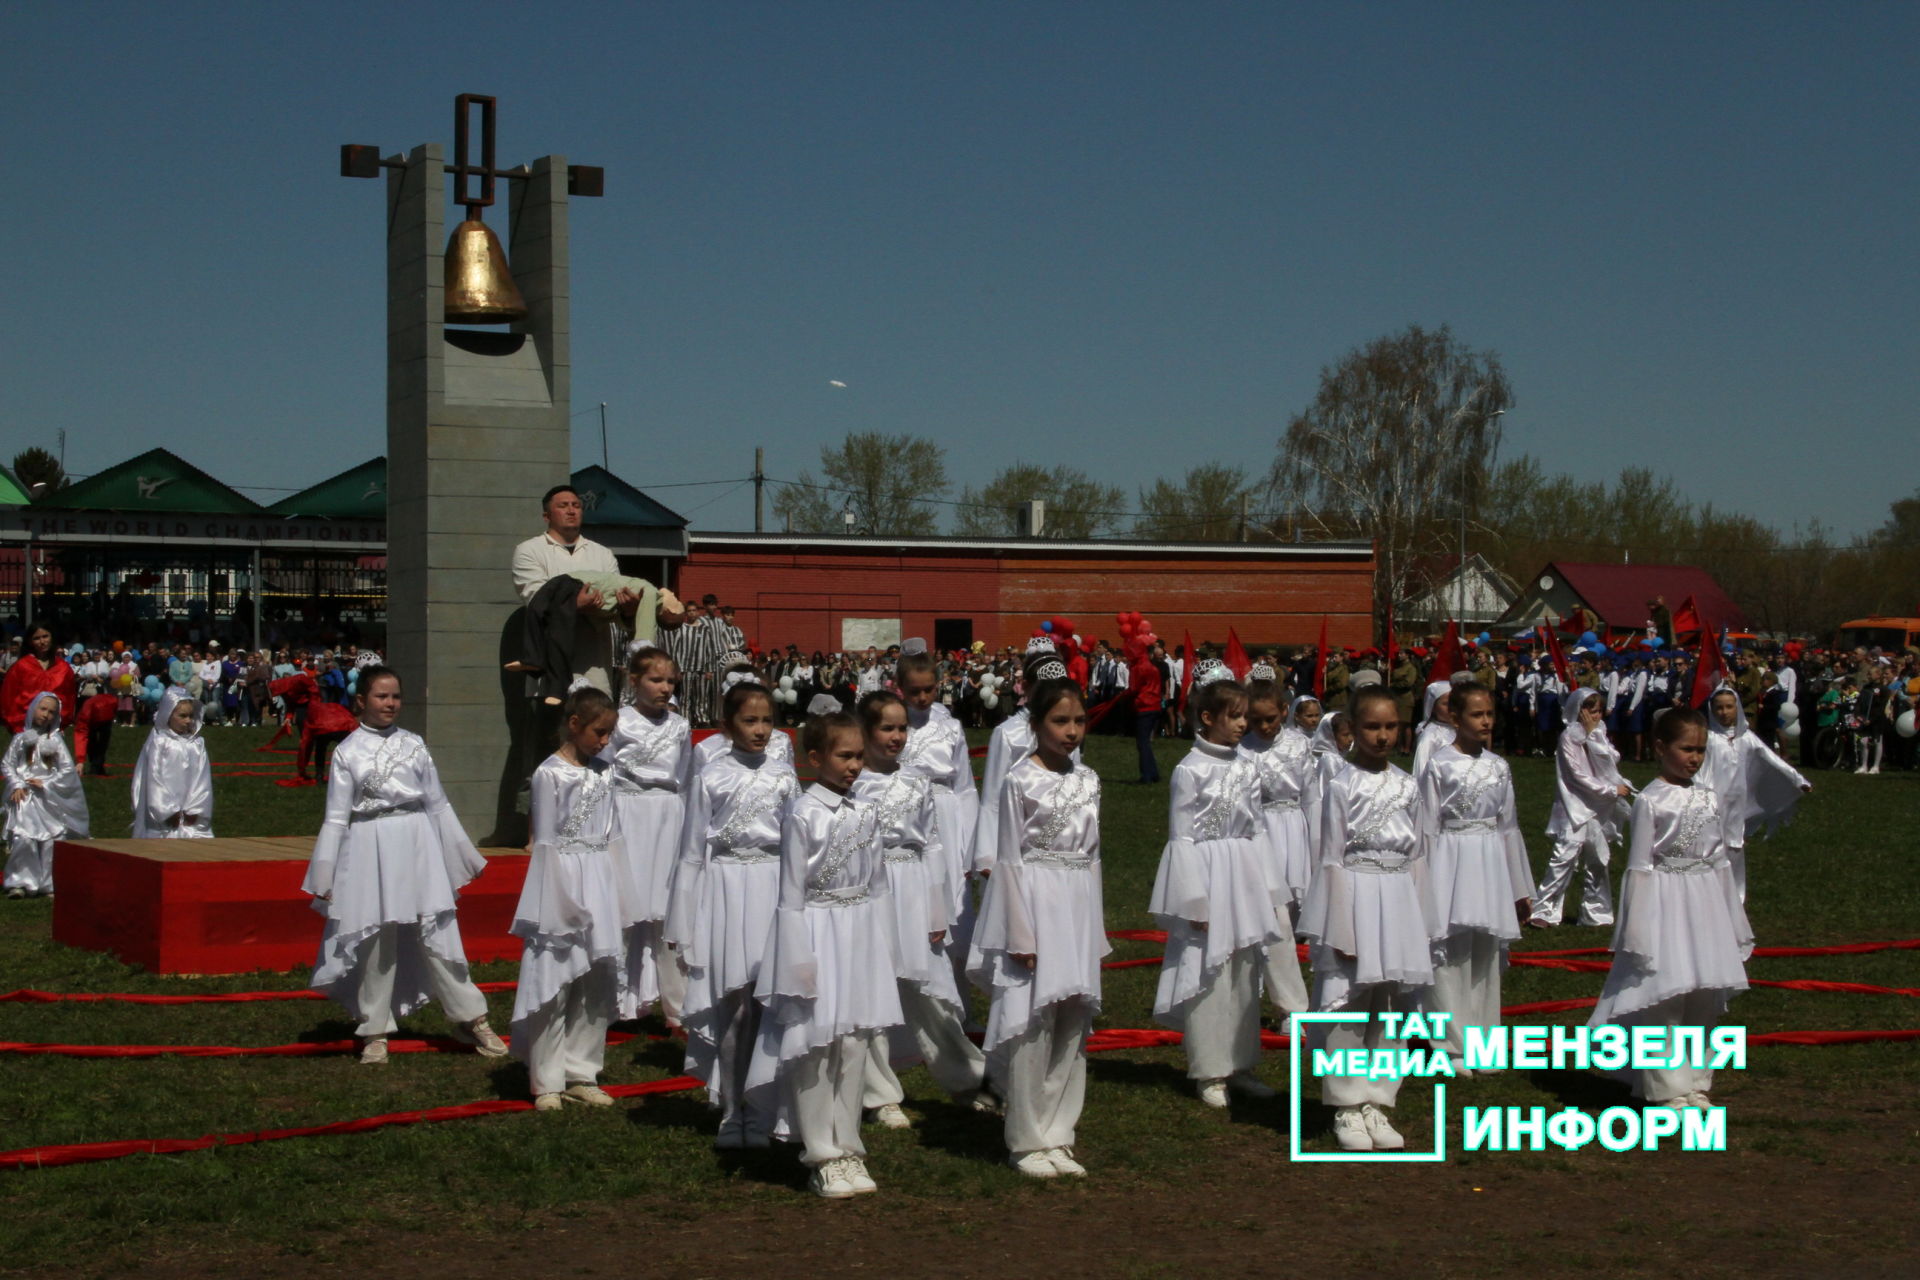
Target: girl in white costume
point(45, 799)
point(1681, 946)
point(1476, 867)
point(1757, 789)
point(1589, 804)
point(1281, 756)
point(1326, 756)
point(721, 909)
point(1215, 900)
point(919, 888)
point(715, 746)
point(937, 751)
point(1436, 725)
point(173, 779)
point(386, 868)
point(651, 752)
point(1041, 936)
point(1012, 741)
point(1369, 915)
point(829, 980)
point(573, 968)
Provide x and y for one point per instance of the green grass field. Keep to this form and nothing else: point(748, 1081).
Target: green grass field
point(1843, 873)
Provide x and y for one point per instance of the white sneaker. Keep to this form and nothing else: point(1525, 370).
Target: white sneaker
point(830, 1181)
point(1034, 1164)
point(858, 1176)
point(373, 1051)
point(891, 1116)
point(547, 1102)
point(1684, 1102)
point(984, 1101)
point(588, 1095)
point(1384, 1136)
point(1699, 1101)
point(1214, 1093)
point(1350, 1131)
point(482, 1037)
point(1248, 1085)
point(1064, 1163)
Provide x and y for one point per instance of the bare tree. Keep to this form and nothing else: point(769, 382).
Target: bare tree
point(1401, 436)
point(883, 481)
point(1077, 507)
point(1207, 505)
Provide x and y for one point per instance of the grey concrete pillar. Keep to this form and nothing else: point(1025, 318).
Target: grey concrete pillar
point(477, 430)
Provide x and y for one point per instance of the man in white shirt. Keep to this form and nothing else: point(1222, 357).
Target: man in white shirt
point(562, 549)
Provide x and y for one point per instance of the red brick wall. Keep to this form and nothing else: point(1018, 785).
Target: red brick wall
point(786, 595)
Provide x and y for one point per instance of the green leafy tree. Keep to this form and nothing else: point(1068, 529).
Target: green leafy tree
point(36, 466)
point(1205, 505)
point(1077, 507)
point(885, 481)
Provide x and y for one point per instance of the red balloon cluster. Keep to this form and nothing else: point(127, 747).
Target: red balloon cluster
point(1136, 633)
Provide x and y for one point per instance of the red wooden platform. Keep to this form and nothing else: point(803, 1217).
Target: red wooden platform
point(233, 905)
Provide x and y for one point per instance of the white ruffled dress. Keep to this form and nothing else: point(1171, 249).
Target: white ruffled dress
point(937, 751)
point(1681, 925)
point(1043, 899)
point(1011, 743)
point(1476, 857)
point(1286, 842)
point(173, 778)
point(832, 957)
point(725, 888)
point(390, 851)
point(56, 810)
point(652, 762)
point(1369, 911)
point(1210, 873)
point(918, 886)
point(569, 910)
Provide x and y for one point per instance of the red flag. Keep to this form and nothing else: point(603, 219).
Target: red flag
point(1320, 662)
point(1450, 659)
point(1559, 659)
point(1687, 618)
point(1236, 656)
point(1392, 648)
point(1709, 668)
point(1186, 669)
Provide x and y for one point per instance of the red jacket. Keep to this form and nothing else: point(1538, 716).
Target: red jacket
point(27, 679)
point(1149, 689)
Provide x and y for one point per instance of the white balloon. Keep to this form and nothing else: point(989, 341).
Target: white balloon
point(1904, 726)
point(786, 682)
point(1790, 731)
point(990, 700)
point(1789, 712)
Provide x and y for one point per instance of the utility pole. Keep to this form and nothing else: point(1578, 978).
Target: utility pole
point(605, 465)
point(1244, 536)
point(759, 485)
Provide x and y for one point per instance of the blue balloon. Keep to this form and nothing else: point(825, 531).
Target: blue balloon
point(1589, 639)
point(1047, 627)
point(1654, 642)
point(1485, 636)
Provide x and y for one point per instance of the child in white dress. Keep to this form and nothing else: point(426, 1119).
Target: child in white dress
point(1589, 804)
point(1681, 945)
point(1042, 935)
point(173, 778)
point(1012, 741)
point(651, 753)
point(829, 981)
point(1476, 867)
point(45, 799)
point(720, 911)
point(1283, 755)
point(389, 861)
point(1368, 914)
point(573, 968)
point(919, 886)
point(937, 751)
point(1215, 900)
point(1758, 791)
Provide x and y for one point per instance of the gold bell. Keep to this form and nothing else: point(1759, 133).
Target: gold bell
point(479, 288)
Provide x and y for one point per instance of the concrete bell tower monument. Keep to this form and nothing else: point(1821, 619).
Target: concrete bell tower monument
point(478, 399)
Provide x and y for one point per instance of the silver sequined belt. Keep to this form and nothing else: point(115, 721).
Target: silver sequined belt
point(395, 812)
point(1059, 861)
point(903, 854)
point(1282, 804)
point(1686, 866)
point(839, 897)
point(1470, 824)
point(627, 786)
point(748, 855)
point(1374, 861)
point(573, 845)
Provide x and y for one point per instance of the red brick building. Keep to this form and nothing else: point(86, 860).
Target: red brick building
point(831, 592)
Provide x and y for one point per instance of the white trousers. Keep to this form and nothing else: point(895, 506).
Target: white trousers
point(823, 1091)
point(29, 865)
point(653, 966)
point(739, 1034)
point(379, 961)
point(1352, 1091)
point(1043, 1077)
point(955, 1062)
point(1466, 984)
point(1280, 970)
point(567, 1039)
point(1222, 1032)
point(1583, 850)
point(960, 941)
point(1688, 1009)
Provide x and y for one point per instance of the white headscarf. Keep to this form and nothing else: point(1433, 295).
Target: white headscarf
point(163, 714)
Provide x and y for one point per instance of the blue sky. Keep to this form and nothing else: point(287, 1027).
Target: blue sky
point(1123, 236)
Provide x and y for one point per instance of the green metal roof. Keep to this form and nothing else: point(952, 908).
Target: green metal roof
point(157, 480)
point(609, 500)
point(12, 492)
point(356, 494)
